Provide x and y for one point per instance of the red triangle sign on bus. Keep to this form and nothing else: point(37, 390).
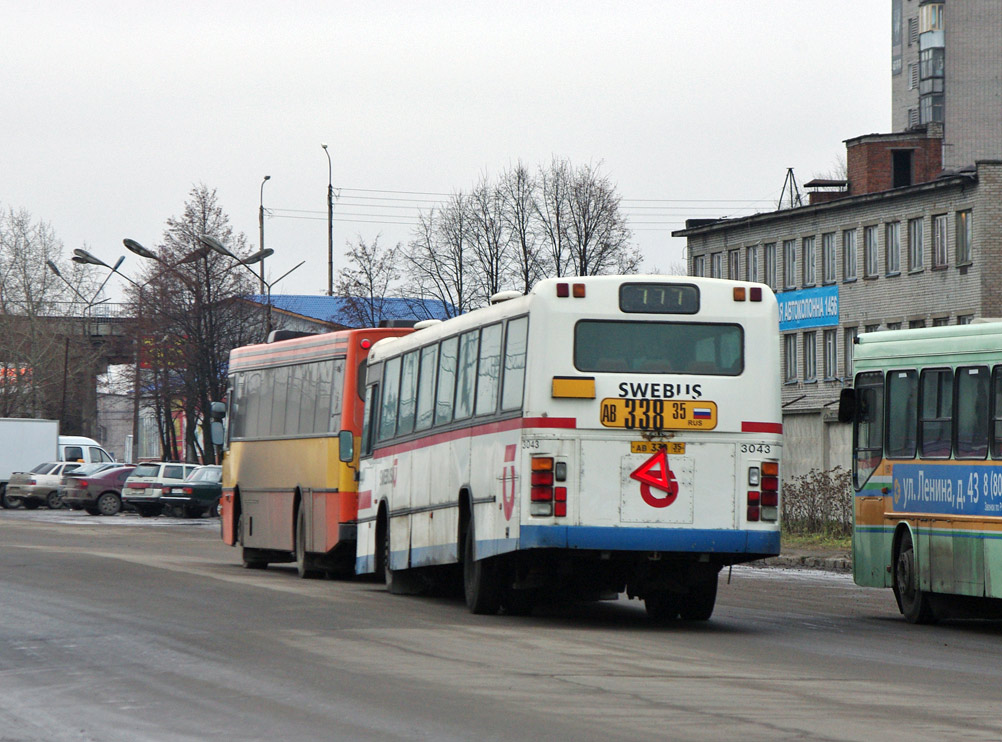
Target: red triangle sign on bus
point(655, 473)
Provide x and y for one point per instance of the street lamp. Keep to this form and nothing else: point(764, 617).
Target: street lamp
point(260, 219)
point(330, 222)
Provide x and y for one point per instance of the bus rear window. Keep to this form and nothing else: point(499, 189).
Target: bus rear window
point(658, 298)
point(609, 346)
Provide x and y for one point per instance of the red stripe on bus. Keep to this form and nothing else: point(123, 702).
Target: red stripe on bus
point(365, 500)
point(477, 430)
point(761, 427)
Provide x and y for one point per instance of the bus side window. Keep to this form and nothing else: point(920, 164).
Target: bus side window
point(391, 395)
point(514, 364)
point(489, 370)
point(371, 415)
point(466, 380)
point(408, 393)
point(426, 387)
point(936, 413)
point(902, 414)
point(996, 402)
point(446, 380)
point(971, 405)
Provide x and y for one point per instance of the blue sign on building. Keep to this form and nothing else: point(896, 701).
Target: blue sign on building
point(817, 307)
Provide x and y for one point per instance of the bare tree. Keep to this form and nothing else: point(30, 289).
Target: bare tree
point(552, 212)
point(367, 281)
point(488, 240)
point(438, 258)
point(599, 240)
point(189, 317)
point(518, 194)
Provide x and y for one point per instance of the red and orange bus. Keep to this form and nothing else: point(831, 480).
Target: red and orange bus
point(293, 406)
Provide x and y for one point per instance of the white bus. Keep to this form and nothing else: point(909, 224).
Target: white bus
point(599, 435)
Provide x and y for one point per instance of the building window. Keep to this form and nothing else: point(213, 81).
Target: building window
point(893, 325)
point(939, 241)
point(789, 263)
point(940, 321)
point(912, 31)
point(849, 254)
point(870, 267)
point(733, 265)
point(810, 356)
point(716, 265)
point(699, 265)
point(893, 247)
point(915, 323)
point(790, 356)
point(966, 319)
point(965, 236)
point(850, 343)
point(915, 248)
point(810, 262)
point(828, 257)
point(751, 264)
point(872, 328)
point(770, 265)
point(913, 76)
point(831, 354)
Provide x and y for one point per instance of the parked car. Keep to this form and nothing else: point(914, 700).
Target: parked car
point(99, 492)
point(144, 487)
point(40, 486)
point(84, 470)
point(199, 493)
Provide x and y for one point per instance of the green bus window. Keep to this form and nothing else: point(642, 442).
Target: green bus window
point(996, 412)
point(972, 385)
point(936, 413)
point(868, 427)
point(902, 414)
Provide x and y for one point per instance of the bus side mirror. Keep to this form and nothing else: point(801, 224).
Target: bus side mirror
point(217, 410)
point(847, 406)
point(217, 432)
point(346, 446)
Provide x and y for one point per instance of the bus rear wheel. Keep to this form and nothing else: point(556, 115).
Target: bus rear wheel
point(662, 606)
point(915, 604)
point(698, 603)
point(304, 565)
point(481, 582)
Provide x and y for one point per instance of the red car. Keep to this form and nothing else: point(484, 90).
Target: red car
point(99, 493)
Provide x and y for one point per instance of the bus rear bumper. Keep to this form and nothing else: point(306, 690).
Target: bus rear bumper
point(712, 541)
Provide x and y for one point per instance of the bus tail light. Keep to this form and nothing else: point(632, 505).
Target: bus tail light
point(770, 491)
point(754, 508)
point(547, 500)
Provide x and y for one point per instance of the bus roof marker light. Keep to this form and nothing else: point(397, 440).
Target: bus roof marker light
point(739, 293)
point(365, 343)
point(579, 291)
point(563, 290)
point(755, 293)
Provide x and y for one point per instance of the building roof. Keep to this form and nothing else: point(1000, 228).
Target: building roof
point(336, 308)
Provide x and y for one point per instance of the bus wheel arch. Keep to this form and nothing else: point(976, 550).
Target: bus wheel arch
point(305, 564)
point(482, 583)
point(914, 603)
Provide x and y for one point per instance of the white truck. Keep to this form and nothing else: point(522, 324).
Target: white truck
point(25, 443)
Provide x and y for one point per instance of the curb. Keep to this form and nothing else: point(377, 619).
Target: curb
point(828, 564)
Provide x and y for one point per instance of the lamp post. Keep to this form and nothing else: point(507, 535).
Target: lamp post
point(330, 223)
point(260, 219)
point(217, 246)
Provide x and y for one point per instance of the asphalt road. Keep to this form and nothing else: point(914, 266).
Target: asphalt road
point(133, 629)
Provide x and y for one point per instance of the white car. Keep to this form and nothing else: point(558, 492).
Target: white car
point(38, 486)
point(145, 485)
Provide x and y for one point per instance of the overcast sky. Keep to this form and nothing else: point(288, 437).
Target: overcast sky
point(115, 110)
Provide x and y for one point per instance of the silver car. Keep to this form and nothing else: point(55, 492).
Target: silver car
point(40, 486)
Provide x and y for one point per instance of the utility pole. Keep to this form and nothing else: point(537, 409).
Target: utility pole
point(330, 223)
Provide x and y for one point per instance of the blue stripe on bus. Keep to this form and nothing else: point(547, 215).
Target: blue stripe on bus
point(714, 541)
point(650, 539)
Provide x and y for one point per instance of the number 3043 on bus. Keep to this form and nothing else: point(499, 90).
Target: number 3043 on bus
point(658, 414)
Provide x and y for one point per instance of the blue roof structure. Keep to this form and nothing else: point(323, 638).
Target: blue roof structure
point(337, 308)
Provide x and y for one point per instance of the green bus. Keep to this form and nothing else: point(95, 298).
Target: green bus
point(926, 408)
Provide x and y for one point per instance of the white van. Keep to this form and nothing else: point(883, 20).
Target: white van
point(82, 449)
